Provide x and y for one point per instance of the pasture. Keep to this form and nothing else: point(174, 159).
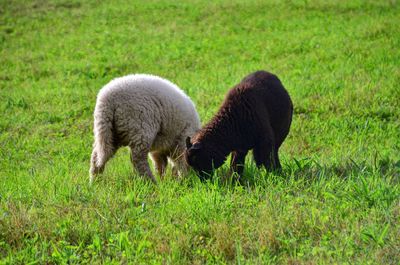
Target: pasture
point(337, 200)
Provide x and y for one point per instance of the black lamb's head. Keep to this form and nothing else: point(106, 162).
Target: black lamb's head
point(201, 159)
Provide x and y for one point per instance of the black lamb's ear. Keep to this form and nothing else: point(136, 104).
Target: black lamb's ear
point(188, 143)
point(196, 146)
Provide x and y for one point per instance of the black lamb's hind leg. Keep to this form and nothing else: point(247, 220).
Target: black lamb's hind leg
point(267, 155)
point(276, 162)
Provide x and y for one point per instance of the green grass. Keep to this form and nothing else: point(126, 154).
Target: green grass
point(337, 200)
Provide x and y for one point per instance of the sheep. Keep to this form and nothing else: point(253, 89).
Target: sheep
point(150, 115)
point(256, 114)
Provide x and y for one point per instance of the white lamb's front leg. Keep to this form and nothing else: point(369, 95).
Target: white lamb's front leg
point(179, 167)
point(160, 162)
point(177, 160)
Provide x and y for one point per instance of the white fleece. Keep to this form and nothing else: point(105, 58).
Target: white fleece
point(146, 113)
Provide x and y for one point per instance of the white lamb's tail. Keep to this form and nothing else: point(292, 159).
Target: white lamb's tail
point(103, 134)
point(103, 147)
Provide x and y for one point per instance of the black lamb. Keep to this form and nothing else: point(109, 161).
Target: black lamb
point(255, 115)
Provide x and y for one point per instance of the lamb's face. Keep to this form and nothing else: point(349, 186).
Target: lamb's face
point(199, 159)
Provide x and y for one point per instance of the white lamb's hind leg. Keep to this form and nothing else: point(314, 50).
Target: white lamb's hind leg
point(139, 161)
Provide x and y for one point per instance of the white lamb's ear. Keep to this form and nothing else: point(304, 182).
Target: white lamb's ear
point(188, 143)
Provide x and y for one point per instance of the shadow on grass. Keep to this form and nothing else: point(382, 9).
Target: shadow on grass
point(311, 170)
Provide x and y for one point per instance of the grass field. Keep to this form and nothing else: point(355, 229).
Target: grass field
point(337, 200)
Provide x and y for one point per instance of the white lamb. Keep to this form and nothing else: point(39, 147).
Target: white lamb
point(148, 114)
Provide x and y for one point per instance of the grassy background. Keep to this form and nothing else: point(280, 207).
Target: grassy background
point(337, 200)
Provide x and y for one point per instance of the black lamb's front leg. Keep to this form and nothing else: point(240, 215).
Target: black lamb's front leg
point(237, 161)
